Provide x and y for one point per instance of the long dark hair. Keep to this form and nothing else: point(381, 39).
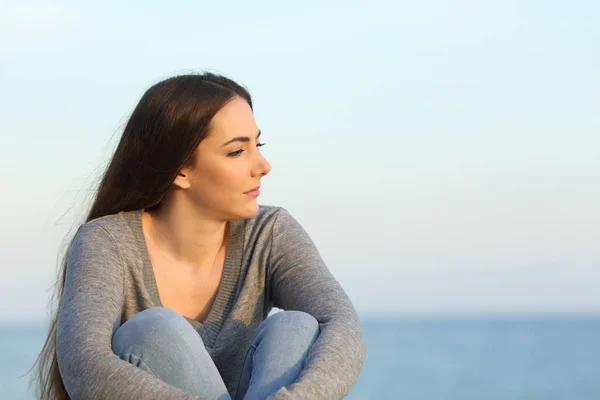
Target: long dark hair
point(159, 139)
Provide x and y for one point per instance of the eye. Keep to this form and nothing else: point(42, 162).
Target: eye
point(239, 152)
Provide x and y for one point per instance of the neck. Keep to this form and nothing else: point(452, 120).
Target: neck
point(186, 236)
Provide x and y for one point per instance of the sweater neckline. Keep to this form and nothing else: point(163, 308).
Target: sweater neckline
point(228, 285)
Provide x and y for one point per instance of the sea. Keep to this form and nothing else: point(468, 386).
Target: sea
point(425, 358)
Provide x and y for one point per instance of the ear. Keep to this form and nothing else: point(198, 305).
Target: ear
point(182, 180)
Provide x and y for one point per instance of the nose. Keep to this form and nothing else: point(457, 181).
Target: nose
point(262, 166)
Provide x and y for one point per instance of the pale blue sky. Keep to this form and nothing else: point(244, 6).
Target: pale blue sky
point(443, 155)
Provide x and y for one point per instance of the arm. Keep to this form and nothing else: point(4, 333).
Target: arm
point(301, 281)
point(90, 305)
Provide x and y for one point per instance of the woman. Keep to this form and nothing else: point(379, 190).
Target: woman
point(165, 290)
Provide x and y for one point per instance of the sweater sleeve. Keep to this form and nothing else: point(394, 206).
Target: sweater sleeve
point(90, 307)
point(301, 281)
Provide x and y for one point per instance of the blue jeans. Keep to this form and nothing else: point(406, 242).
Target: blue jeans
point(160, 341)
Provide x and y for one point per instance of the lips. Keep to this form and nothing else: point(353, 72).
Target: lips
point(253, 189)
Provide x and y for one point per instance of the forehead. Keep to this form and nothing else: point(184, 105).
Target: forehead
point(234, 119)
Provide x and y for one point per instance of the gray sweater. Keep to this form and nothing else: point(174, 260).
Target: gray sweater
point(270, 262)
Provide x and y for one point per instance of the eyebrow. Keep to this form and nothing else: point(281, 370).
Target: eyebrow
point(240, 139)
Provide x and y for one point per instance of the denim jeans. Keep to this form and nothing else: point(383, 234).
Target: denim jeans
point(160, 341)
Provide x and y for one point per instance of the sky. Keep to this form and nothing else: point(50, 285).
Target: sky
point(443, 155)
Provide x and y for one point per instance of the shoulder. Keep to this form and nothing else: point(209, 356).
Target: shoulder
point(275, 223)
point(114, 229)
point(267, 217)
point(260, 227)
point(113, 224)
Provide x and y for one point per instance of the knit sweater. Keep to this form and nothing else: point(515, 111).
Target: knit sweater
point(270, 262)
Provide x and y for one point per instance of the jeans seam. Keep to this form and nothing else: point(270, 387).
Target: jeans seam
point(253, 364)
point(242, 371)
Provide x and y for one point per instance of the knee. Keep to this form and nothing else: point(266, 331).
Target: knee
point(157, 327)
point(293, 323)
point(161, 341)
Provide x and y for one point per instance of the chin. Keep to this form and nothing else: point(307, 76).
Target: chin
point(248, 211)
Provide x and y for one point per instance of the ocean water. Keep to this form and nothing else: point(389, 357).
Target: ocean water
point(428, 359)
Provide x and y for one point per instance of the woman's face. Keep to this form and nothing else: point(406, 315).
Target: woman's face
point(226, 168)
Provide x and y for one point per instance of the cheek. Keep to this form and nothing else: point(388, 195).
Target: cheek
point(223, 182)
